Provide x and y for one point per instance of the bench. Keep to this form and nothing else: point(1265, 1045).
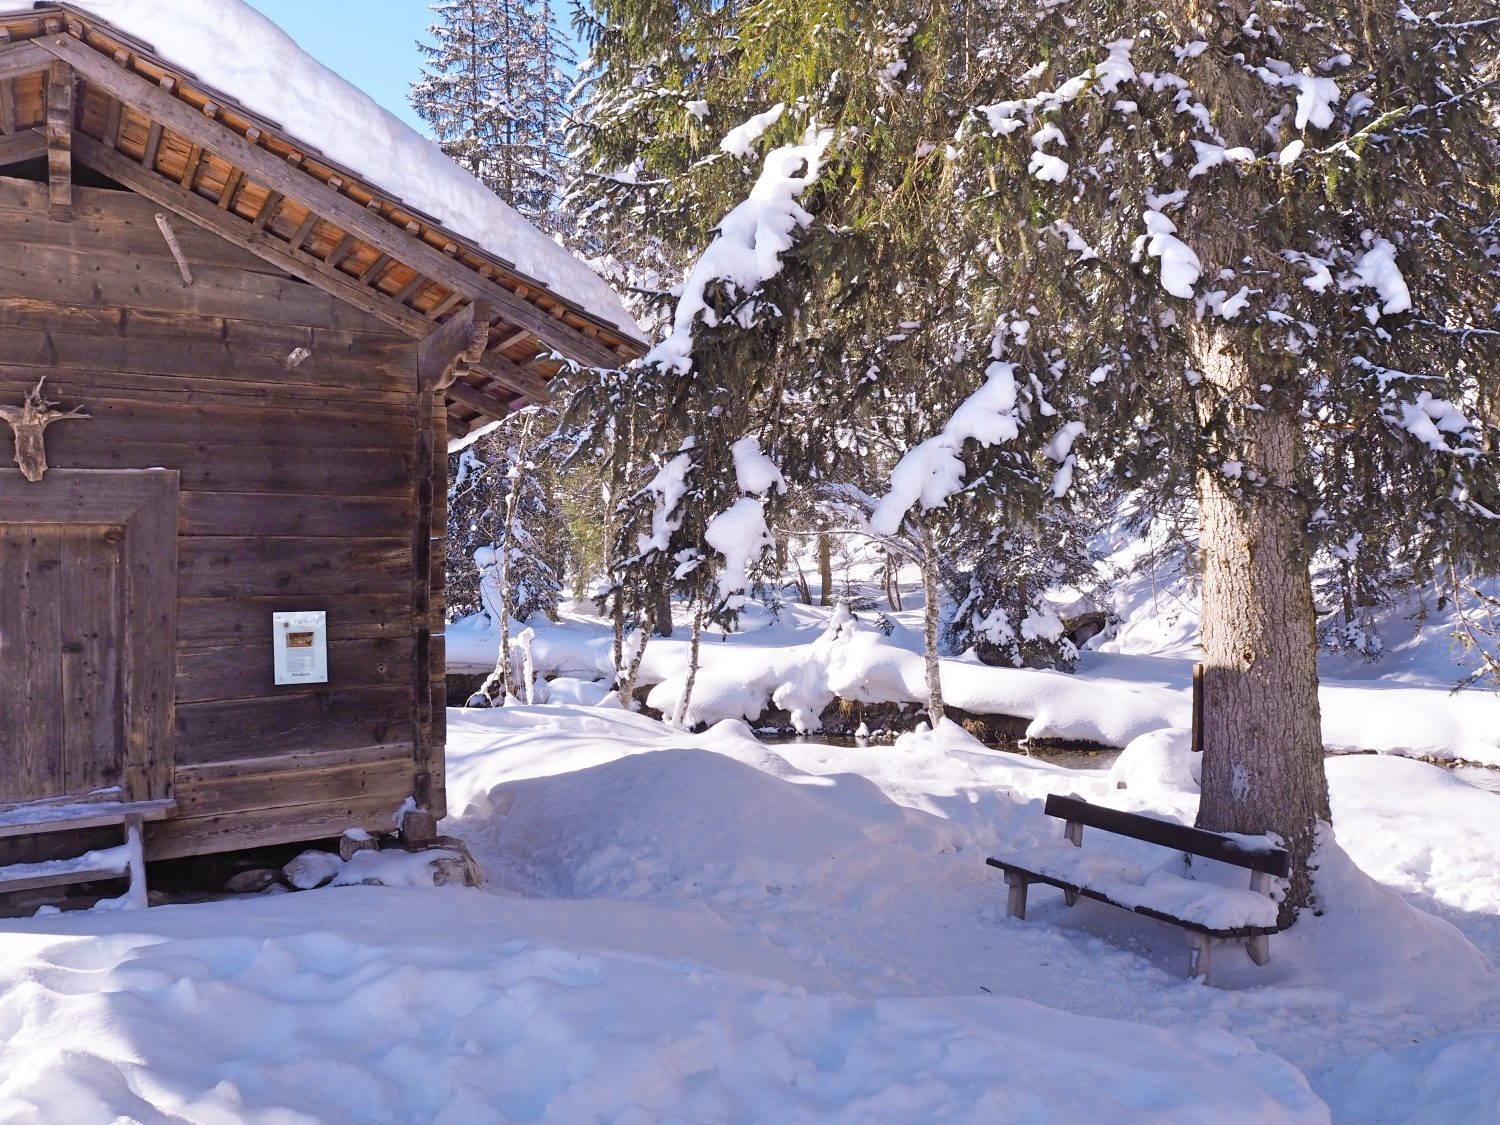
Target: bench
point(1206, 910)
point(101, 809)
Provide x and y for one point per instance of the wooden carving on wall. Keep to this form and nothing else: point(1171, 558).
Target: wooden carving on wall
point(28, 421)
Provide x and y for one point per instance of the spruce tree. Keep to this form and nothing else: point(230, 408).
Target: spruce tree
point(1261, 245)
point(867, 336)
point(494, 89)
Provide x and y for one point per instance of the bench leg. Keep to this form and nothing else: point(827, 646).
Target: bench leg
point(135, 897)
point(1198, 954)
point(1015, 905)
point(1259, 948)
point(1070, 897)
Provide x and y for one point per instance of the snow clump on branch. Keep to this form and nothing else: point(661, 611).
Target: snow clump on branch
point(931, 472)
point(747, 252)
point(739, 533)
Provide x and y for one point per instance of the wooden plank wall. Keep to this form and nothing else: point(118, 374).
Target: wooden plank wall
point(291, 418)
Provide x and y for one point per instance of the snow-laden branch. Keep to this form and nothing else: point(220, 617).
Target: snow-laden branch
point(931, 472)
point(739, 533)
point(746, 253)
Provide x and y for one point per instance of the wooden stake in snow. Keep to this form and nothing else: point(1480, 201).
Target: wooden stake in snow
point(28, 421)
point(171, 236)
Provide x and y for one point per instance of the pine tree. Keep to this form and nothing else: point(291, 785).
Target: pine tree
point(1262, 246)
point(867, 335)
point(494, 90)
point(508, 538)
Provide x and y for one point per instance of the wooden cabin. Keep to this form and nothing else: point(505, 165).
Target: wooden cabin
point(267, 355)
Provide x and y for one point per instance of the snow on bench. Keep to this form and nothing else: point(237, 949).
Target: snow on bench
point(1205, 909)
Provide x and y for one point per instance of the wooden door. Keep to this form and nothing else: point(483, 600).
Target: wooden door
point(87, 633)
point(60, 640)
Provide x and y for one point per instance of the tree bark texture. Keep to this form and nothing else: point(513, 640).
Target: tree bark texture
point(1262, 729)
point(636, 644)
point(931, 620)
point(663, 611)
point(825, 569)
point(695, 650)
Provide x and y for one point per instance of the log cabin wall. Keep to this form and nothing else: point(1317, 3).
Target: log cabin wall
point(306, 483)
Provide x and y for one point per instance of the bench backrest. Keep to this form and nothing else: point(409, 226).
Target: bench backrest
point(1197, 841)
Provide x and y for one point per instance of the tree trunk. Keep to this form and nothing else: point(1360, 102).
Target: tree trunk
point(1262, 730)
point(633, 663)
point(694, 651)
point(825, 569)
point(502, 676)
point(663, 612)
point(931, 614)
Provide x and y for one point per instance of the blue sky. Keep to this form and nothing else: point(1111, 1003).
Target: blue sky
point(371, 43)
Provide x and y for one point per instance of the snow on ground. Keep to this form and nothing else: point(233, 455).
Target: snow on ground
point(704, 928)
point(248, 57)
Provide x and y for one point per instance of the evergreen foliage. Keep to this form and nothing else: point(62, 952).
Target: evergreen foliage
point(494, 89)
point(503, 514)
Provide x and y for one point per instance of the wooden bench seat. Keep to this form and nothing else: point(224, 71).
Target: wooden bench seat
point(1206, 910)
point(67, 814)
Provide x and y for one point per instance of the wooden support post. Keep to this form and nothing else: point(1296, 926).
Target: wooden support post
point(1259, 948)
point(1259, 945)
point(7, 106)
point(136, 897)
point(1199, 946)
point(1069, 897)
point(1015, 905)
point(1073, 832)
point(60, 140)
point(453, 346)
point(418, 829)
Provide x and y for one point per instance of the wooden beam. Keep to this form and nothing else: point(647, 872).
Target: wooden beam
point(268, 209)
point(153, 145)
point(407, 291)
point(371, 273)
point(476, 399)
point(266, 246)
point(299, 237)
point(502, 370)
point(190, 167)
point(341, 250)
point(7, 107)
point(60, 140)
point(184, 120)
point(231, 187)
point(455, 298)
point(512, 340)
point(461, 341)
point(28, 144)
point(112, 122)
point(20, 59)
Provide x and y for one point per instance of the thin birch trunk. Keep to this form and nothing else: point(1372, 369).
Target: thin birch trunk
point(633, 663)
point(684, 709)
point(931, 619)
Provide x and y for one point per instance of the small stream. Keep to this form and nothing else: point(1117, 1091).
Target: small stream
point(1085, 757)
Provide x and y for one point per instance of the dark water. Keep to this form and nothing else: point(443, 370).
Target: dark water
point(1079, 757)
point(1072, 757)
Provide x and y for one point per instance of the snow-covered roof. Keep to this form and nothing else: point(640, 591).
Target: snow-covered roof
point(249, 58)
